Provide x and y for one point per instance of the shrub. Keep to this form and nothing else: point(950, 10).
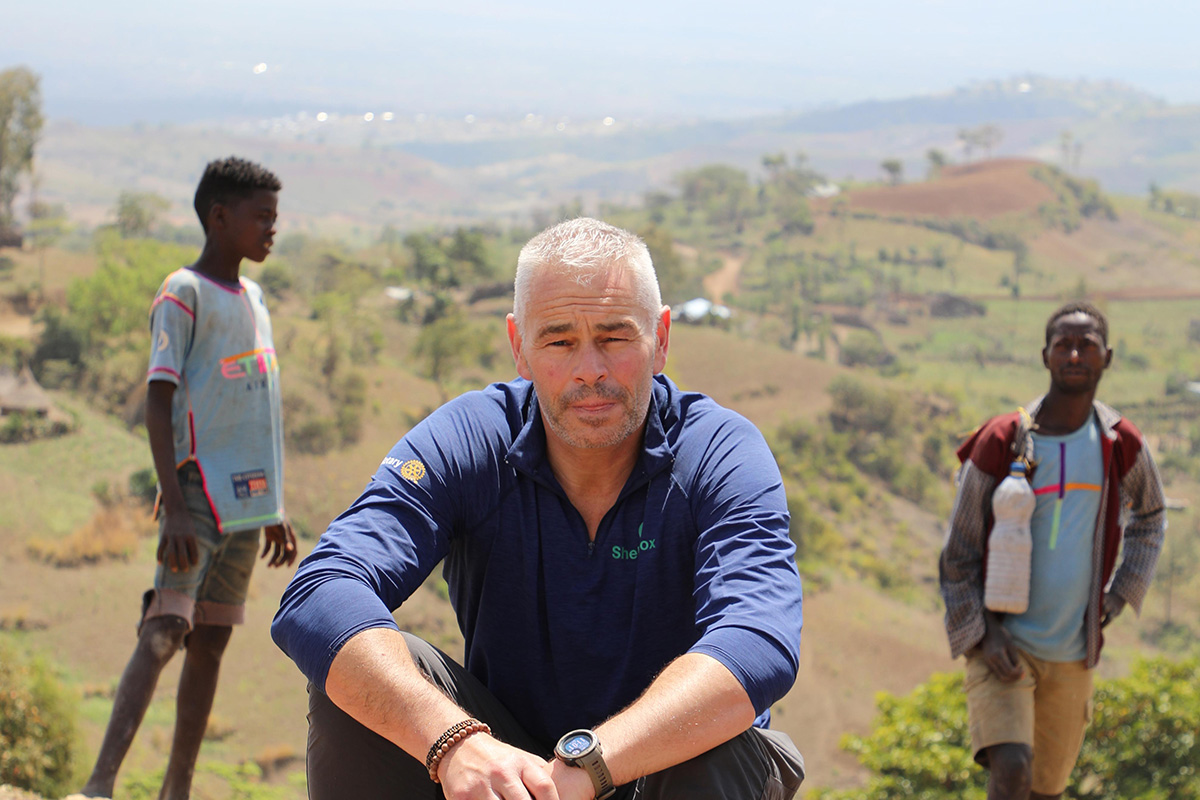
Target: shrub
point(25, 426)
point(37, 726)
point(143, 485)
point(1143, 739)
point(865, 349)
point(113, 532)
point(315, 436)
point(275, 279)
point(1142, 742)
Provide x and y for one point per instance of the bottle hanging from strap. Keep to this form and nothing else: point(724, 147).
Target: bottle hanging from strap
point(1010, 546)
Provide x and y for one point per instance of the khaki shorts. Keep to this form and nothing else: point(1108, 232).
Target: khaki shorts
point(1047, 709)
point(213, 591)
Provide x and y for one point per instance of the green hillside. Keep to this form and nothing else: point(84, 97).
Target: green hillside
point(837, 348)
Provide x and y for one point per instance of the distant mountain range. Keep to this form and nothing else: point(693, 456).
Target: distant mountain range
point(376, 170)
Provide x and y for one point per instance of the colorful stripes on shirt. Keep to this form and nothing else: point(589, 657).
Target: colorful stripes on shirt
point(1061, 488)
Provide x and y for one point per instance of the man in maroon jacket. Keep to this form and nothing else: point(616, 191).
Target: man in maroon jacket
point(1029, 675)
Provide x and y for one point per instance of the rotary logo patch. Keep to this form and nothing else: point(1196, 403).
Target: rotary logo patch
point(412, 470)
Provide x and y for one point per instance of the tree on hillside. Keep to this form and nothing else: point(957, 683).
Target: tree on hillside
point(668, 265)
point(721, 191)
point(894, 168)
point(988, 137)
point(785, 189)
point(20, 127)
point(774, 164)
point(469, 250)
point(430, 263)
point(448, 344)
point(1066, 141)
point(969, 139)
point(937, 161)
point(137, 212)
point(47, 224)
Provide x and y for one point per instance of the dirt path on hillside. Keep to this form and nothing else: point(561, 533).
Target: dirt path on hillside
point(725, 280)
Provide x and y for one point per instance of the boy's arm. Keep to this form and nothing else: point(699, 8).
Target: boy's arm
point(1142, 492)
point(177, 543)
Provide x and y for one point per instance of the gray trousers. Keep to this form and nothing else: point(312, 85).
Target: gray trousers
point(346, 759)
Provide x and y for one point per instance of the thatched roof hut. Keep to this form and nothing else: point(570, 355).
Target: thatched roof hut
point(20, 391)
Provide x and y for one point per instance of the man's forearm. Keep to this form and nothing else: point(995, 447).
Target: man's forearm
point(374, 679)
point(694, 705)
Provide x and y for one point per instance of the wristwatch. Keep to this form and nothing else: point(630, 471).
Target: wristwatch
point(581, 749)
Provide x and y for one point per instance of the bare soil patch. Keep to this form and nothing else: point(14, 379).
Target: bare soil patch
point(985, 190)
point(766, 384)
point(725, 280)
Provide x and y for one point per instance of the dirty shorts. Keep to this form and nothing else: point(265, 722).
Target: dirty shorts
point(213, 591)
point(1048, 709)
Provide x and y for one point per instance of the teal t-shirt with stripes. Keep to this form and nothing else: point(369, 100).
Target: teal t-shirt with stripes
point(1067, 484)
point(213, 341)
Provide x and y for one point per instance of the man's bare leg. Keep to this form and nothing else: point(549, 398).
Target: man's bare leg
point(160, 637)
point(1011, 778)
point(197, 687)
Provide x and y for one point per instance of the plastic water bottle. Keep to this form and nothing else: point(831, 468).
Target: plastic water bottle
point(1010, 546)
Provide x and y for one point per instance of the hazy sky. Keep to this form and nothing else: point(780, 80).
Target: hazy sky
point(121, 61)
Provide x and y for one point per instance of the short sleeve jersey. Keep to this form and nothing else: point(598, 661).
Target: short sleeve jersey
point(213, 341)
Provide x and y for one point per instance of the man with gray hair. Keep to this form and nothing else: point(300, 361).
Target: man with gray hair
point(617, 555)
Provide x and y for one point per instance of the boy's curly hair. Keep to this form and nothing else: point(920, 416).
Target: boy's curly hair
point(229, 178)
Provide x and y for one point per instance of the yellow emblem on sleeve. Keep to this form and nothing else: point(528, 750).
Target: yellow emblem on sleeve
point(412, 470)
point(163, 341)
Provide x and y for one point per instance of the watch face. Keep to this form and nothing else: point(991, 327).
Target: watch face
point(577, 744)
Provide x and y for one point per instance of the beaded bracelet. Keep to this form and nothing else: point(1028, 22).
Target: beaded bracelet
point(447, 740)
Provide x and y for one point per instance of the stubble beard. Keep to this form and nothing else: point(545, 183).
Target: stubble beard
point(606, 433)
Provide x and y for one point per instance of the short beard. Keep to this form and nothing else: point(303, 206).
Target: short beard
point(629, 424)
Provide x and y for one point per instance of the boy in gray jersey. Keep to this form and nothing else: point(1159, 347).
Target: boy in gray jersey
point(213, 420)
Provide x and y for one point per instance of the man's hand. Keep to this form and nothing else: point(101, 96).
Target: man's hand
point(998, 651)
point(283, 539)
point(177, 544)
point(483, 767)
point(1113, 605)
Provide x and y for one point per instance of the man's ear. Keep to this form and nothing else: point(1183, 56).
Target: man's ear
point(514, 341)
point(1108, 357)
point(662, 339)
point(1046, 357)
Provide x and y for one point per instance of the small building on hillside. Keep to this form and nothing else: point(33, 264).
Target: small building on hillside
point(26, 410)
point(20, 392)
point(700, 310)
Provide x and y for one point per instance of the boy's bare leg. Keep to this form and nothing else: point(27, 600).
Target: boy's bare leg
point(1010, 771)
point(160, 637)
point(197, 687)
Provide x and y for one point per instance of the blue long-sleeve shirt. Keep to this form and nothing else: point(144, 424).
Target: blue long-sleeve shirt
point(693, 557)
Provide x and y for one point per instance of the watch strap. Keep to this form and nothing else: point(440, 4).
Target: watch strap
point(593, 764)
